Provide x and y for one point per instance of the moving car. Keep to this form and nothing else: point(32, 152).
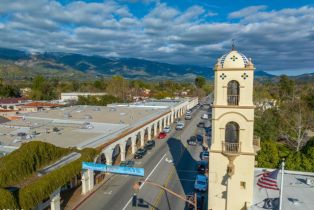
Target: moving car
point(180, 126)
point(140, 153)
point(201, 125)
point(128, 163)
point(167, 129)
point(188, 112)
point(200, 183)
point(162, 135)
point(192, 141)
point(150, 144)
point(204, 116)
point(205, 155)
point(188, 117)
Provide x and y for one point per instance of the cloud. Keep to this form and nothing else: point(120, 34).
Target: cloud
point(247, 11)
point(275, 39)
point(211, 14)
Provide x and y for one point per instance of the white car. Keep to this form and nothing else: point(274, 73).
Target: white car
point(188, 112)
point(205, 116)
point(167, 129)
point(200, 183)
point(188, 117)
point(180, 126)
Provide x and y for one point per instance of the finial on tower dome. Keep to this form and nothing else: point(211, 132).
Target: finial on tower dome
point(233, 45)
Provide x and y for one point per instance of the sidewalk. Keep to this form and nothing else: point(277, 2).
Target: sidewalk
point(77, 198)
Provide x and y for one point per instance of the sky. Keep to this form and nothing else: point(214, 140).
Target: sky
point(278, 35)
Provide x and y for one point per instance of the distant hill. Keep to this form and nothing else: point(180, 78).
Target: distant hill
point(78, 66)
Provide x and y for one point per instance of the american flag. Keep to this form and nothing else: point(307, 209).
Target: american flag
point(268, 180)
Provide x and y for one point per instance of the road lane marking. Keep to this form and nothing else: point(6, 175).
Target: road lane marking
point(108, 192)
point(152, 171)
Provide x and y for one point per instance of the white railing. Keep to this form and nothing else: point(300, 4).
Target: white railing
point(231, 148)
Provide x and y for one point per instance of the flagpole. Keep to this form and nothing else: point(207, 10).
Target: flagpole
point(281, 184)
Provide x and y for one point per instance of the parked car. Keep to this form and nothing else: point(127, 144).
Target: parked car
point(140, 153)
point(150, 144)
point(202, 166)
point(204, 116)
point(128, 163)
point(188, 117)
point(167, 129)
point(200, 183)
point(200, 201)
point(162, 135)
point(192, 141)
point(205, 155)
point(180, 125)
point(199, 138)
point(201, 124)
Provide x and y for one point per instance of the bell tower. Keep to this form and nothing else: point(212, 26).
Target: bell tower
point(232, 152)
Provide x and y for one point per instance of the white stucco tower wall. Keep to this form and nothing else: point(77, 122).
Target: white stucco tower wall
point(232, 156)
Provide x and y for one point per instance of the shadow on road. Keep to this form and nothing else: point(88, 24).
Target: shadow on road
point(185, 164)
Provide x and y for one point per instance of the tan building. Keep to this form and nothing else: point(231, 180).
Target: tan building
point(232, 154)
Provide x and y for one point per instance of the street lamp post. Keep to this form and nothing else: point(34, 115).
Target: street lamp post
point(137, 185)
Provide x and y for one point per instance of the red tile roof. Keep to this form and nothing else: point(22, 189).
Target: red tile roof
point(41, 104)
point(12, 100)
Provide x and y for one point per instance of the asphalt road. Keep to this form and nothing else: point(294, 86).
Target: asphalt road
point(171, 163)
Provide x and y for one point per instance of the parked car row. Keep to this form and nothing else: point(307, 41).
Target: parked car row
point(141, 152)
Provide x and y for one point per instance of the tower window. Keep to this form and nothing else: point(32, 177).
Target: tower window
point(233, 92)
point(232, 132)
point(231, 143)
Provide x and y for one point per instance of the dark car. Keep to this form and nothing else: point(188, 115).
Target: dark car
point(204, 155)
point(128, 163)
point(200, 201)
point(201, 125)
point(199, 139)
point(202, 166)
point(140, 153)
point(150, 144)
point(192, 141)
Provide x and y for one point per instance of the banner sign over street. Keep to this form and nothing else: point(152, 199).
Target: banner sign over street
point(113, 169)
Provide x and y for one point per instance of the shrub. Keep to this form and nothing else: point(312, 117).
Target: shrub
point(32, 194)
point(7, 200)
point(268, 156)
point(27, 159)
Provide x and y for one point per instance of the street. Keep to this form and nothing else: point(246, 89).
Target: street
point(172, 163)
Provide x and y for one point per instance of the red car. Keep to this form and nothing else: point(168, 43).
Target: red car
point(162, 135)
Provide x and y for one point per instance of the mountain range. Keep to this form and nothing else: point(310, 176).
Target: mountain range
point(17, 64)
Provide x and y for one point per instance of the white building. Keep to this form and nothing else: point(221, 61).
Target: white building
point(75, 95)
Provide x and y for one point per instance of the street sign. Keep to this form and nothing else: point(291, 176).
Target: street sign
point(113, 169)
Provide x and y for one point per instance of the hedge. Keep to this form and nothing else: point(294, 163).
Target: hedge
point(32, 194)
point(26, 160)
point(7, 200)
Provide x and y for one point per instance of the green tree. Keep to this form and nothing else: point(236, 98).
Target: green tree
point(118, 87)
point(286, 87)
point(199, 81)
point(268, 156)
